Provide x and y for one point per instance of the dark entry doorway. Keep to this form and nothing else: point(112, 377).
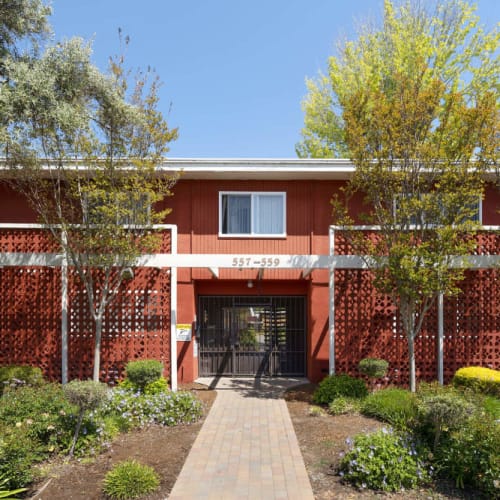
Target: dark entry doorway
point(245, 335)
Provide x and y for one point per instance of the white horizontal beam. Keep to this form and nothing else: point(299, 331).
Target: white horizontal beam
point(31, 259)
point(252, 261)
point(242, 261)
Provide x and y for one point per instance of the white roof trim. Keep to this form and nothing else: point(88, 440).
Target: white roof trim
point(247, 168)
point(258, 168)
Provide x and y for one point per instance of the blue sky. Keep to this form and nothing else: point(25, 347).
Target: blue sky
point(233, 71)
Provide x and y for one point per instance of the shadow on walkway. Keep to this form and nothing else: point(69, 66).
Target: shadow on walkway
point(253, 387)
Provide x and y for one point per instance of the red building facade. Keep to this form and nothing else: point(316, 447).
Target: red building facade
point(250, 285)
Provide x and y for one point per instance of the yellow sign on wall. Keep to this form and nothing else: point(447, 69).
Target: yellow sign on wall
point(183, 332)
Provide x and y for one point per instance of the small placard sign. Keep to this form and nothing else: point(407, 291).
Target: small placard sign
point(183, 332)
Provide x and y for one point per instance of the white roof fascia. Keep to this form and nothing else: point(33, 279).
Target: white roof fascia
point(258, 168)
point(241, 168)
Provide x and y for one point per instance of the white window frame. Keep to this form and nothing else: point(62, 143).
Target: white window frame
point(253, 202)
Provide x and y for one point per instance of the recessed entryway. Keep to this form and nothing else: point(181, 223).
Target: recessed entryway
point(252, 335)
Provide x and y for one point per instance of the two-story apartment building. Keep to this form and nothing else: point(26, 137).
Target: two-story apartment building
point(244, 285)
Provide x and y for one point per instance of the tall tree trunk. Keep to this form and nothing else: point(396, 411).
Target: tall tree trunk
point(97, 348)
point(408, 318)
point(411, 354)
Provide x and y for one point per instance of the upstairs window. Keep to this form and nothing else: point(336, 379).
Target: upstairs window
point(252, 214)
point(418, 210)
point(121, 208)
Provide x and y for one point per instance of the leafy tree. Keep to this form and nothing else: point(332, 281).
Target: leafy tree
point(416, 106)
point(21, 19)
point(82, 146)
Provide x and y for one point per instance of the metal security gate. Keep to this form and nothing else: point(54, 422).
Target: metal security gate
point(252, 335)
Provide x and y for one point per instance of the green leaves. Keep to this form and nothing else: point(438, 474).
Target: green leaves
point(415, 105)
point(418, 48)
point(82, 147)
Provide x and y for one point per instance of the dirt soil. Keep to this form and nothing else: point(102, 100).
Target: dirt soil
point(321, 439)
point(163, 448)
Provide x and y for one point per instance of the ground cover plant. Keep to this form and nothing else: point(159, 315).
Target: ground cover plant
point(80, 418)
point(35, 424)
point(455, 435)
point(440, 433)
point(385, 460)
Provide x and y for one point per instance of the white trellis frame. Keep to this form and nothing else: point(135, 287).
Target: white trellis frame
point(307, 263)
point(471, 262)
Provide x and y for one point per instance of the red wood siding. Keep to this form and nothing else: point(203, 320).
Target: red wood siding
point(30, 312)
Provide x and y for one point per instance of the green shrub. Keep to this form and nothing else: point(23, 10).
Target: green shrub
point(443, 413)
point(479, 379)
point(41, 413)
point(384, 461)
point(471, 456)
point(491, 406)
point(130, 479)
point(341, 406)
point(335, 386)
point(154, 387)
point(143, 371)
point(48, 419)
point(18, 453)
point(28, 402)
point(395, 406)
point(373, 367)
point(15, 375)
point(157, 386)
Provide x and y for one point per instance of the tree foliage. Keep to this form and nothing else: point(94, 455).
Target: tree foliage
point(416, 103)
point(21, 19)
point(82, 146)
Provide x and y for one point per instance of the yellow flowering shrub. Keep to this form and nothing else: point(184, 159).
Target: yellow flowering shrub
point(478, 378)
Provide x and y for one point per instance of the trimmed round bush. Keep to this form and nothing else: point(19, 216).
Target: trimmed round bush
point(441, 413)
point(144, 371)
point(479, 379)
point(373, 367)
point(335, 386)
point(394, 406)
point(130, 479)
point(86, 394)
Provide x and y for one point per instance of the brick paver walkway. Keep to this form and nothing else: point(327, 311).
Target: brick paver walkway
point(246, 448)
